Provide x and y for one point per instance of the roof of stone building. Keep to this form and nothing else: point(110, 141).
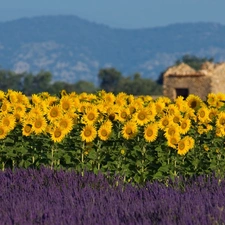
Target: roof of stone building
point(181, 70)
point(207, 69)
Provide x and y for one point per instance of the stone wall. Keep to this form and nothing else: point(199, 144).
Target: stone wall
point(218, 80)
point(199, 85)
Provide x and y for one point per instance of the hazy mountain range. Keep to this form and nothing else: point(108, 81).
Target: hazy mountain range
point(75, 49)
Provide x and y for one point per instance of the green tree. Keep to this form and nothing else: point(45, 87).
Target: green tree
point(38, 83)
point(84, 86)
point(109, 79)
point(136, 85)
point(193, 61)
point(10, 80)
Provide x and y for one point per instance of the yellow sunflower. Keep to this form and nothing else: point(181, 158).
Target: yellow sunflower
point(193, 101)
point(121, 99)
point(54, 113)
point(212, 99)
point(23, 99)
point(35, 99)
point(203, 114)
point(171, 130)
point(132, 108)
point(104, 131)
point(151, 111)
point(88, 134)
point(2, 95)
point(51, 100)
point(65, 123)
point(185, 125)
point(91, 115)
point(165, 121)
point(109, 98)
point(183, 146)
point(39, 124)
point(3, 131)
point(151, 132)
point(142, 116)
point(129, 130)
point(123, 114)
point(220, 121)
point(9, 121)
point(27, 129)
point(181, 103)
point(57, 134)
point(172, 141)
point(172, 109)
point(6, 106)
point(190, 141)
point(176, 117)
point(66, 103)
point(213, 113)
point(20, 108)
point(159, 106)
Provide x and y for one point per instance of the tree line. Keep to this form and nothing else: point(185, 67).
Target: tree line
point(110, 80)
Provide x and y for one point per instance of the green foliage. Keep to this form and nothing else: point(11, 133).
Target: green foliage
point(193, 61)
point(111, 80)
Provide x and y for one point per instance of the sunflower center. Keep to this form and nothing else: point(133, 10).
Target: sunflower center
point(129, 131)
point(171, 132)
point(183, 125)
point(104, 133)
point(124, 115)
point(181, 146)
point(193, 104)
point(202, 114)
point(38, 124)
point(18, 109)
point(211, 115)
point(87, 133)
point(17, 116)
point(57, 133)
point(27, 128)
point(91, 116)
point(65, 105)
point(176, 119)
point(54, 113)
point(132, 109)
point(165, 122)
point(112, 116)
point(149, 133)
point(141, 116)
point(173, 141)
point(1, 131)
point(222, 121)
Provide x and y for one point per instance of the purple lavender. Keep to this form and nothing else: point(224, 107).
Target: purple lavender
point(45, 196)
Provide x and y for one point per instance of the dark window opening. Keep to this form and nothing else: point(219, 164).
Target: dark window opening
point(182, 92)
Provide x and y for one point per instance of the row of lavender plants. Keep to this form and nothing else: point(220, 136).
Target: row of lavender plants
point(45, 196)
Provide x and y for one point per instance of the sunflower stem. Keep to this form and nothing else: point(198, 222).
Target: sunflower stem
point(3, 166)
point(52, 163)
point(82, 160)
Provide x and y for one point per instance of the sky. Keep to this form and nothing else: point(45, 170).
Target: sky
point(129, 14)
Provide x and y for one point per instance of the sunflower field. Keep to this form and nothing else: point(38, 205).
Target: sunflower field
point(138, 138)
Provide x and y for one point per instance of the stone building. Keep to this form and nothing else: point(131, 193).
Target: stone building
point(184, 80)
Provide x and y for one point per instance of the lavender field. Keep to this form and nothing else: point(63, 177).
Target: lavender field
point(45, 196)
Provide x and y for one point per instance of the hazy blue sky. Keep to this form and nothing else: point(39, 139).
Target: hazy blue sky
point(120, 13)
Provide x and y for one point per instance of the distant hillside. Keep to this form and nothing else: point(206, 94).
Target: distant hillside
point(74, 49)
